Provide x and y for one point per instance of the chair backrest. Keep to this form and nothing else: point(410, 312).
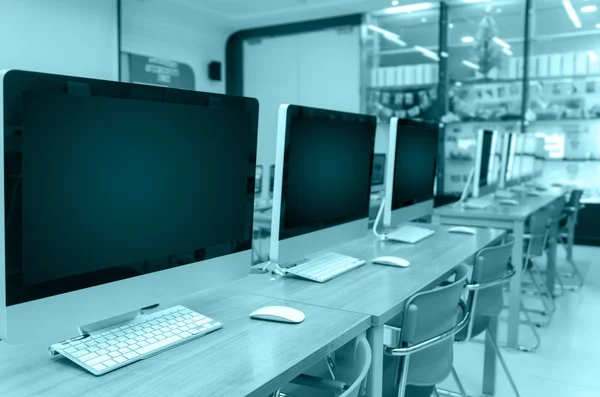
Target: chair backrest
point(428, 314)
point(575, 199)
point(556, 210)
point(490, 265)
point(362, 363)
point(537, 231)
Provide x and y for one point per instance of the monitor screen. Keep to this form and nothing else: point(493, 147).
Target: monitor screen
point(100, 188)
point(512, 145)
point(517, 167)
point(272, 178)
point(415, 163)
point(487, 148)
point(327, 170)
point(378, 170)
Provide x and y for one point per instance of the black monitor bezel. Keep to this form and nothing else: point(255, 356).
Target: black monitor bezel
point(294, 111)
point(15, 82)
point(416, 124)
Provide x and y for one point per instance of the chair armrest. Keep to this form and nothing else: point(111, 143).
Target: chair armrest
point(405, 351)
point(532, 236)
point(492, 283)
point(314, 382)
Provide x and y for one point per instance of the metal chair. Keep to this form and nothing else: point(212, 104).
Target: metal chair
point(350, 377)
point(492, 270)
point(566, 237)
point(419, 353)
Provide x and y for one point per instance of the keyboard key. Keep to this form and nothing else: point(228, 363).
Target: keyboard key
point(151, 340)
point(88, 357)
point(194, 331)
point(135, 346)
point(142, 344)
point(160, 337)
point(120, 359)
point(131, 355)
point(109, 363)
point(97, 360)
point(112, 348)
point(121, 345)
point(102, 351)
point(158, 344)
point(168, 334)
point(185, 334)
point(124, 350)
point(93, 348)
point(80, 353)
point(99, 367)
point(70, 350)
point(114, 354)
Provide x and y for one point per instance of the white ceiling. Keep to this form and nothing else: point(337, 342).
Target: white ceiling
point(244, 14)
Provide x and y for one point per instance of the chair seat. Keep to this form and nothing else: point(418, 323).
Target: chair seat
point(480, 323)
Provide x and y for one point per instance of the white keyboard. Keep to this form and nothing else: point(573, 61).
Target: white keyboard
point(324, 267)
point(146, 336)
point(409, 234)
point(477, 204)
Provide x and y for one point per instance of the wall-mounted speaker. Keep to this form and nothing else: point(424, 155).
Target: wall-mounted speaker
point(214, 71)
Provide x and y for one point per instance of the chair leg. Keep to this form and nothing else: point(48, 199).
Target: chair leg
point(525, 348)
point(503, 363)
point(461, 393)
point(403, 377)
point(548, 309)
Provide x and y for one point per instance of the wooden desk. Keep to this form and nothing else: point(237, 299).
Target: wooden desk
point(509, 218)
point(245, 358)
point(376, 290)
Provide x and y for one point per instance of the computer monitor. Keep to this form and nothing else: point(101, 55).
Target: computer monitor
point(258, 180)
point(323, 166)
point(528, 158)
point(540, 157)
point(378, 170)
point(487, 162)
point(516, 171)
point(411, 168)
point(271, 179)
point(117, 197)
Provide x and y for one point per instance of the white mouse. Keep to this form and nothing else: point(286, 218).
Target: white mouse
point(462, 229)
point(391, 261)
point(510, 202)
point(281, 314)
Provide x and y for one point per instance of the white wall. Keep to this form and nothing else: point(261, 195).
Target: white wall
point(175, 32)
point(319, 69)
point(72, 37)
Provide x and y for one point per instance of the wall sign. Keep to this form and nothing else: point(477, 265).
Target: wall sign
point(161, 72)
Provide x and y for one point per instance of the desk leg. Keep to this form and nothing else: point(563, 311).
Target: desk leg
point(435, 219)
point(551, 270)
point(375, 376)
point(489, 363)
point(515, 286)
point(570, 238)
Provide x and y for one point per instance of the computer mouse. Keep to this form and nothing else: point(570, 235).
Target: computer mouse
point(510, 202)
point(503, 194)
point(462, 229)
point(391, 261)
point(280, 314)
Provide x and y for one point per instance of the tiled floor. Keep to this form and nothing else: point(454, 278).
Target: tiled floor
point(568, 360)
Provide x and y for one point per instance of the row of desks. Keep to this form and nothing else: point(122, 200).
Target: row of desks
point(253, 358)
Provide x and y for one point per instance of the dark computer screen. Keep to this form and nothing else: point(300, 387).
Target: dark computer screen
point(100, 188)
point(510, 156)
point(486, 152)
point(272, 178)
point(378, 170)
point(415, 163)
point(327, 169)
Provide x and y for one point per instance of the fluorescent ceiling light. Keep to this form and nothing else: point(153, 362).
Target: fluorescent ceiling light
point(470, 64)
point(501, 42)
point(572, 13)
point(507, 52)
point(444, 54)
point(593, 56)
point(427, 53)
point(467, 39)
point(408, 8)
point(590, 8)
point(393, 37)
point(395, 2)
point(598, 26)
